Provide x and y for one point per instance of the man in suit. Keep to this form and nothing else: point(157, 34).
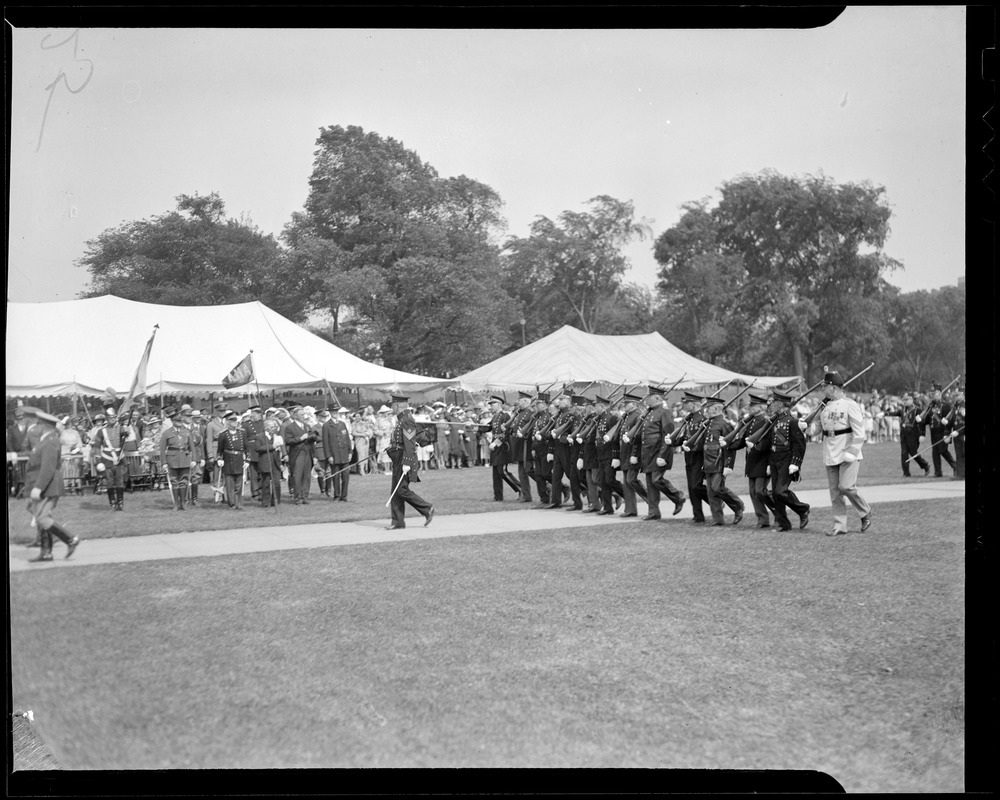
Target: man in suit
point(338, 446)
point(785, 445)
point(298, 439)
point(656, 454)
point(253, 426)
point(231, 453)
point(178, 455)
point(402, 450)
point(269, 459)
point(44, 483)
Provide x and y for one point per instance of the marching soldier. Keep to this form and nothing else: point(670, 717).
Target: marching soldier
point(629, 455)
point(586, 463)
point(44, 483)
point(608, 459)
point(540, 447)
point(694, 459)
point(178, 455)
point(231, 452)
point(559, 457)
point(500, 449)
point(656, 455)
point(756, 461)
point(577, 477)
point(958, 433)
point(110, 446)
point(718, 463)
point(521, 444)
point(403, 452)
point(785, 445)
point(934, 418)
point(843, 424)
point(909, 435)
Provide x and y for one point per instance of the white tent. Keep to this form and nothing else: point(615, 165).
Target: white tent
point(571, 356)
point(87, 346)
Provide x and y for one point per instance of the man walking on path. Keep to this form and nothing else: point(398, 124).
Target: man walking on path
point(403, 452)
point(842, 422)
point(44, 484)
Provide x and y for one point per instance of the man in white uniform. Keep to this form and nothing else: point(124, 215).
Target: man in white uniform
point(843, 425)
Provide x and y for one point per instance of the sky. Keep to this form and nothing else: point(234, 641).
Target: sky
point(110, 125)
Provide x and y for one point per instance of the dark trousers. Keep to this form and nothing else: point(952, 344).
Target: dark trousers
point(543, 476)
point(340, 480)
point(609, 485)
point(253, 476)
point(501, 475)
point(404, 494)
point(299, 474)
point(267, 488)
point(761, 499)
point(657, 483)
point(593, 487)
point(940, 451)
point(631, 487)
point(694, 467)
point(719, 493)
point(909, 444)
point(577, 476)
point(782, 494)
point(524, 478)
point(960, 456)
point(561, 467)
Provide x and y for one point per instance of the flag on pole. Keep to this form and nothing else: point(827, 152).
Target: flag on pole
point(138, 389)
point(239, 375)
point(333, 395)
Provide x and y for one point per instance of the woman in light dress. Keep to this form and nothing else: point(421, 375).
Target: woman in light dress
point(383, 428)
point(362, 430)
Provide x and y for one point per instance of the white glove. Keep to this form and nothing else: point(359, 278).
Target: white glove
point(953, 434)
point(625, 438)
point(579, 463)
point(406, 468)
point(633, 460)
point(920, 438)
point(194, 464)
point(36, 494)
point(554, 435)
point(685, 448)
point(722, 442)
point(792, 469)
point(549, 457)
point(802, 425)
point(850, 455)
point(220, 462)
point(615, 463)
point(661, 462)
point(100, 466)
point(667, 440)
point(538, 437)
point(727, 471)
point(201, 463)
point(767, 470)
point(494, 445)
point(579, 440)
point(607, 438)
point(12, 458)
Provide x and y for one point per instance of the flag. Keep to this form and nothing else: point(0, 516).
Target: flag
point(240, 375)
point(138, 389)
point(333, 395)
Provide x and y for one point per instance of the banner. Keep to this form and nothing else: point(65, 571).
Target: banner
point(240, 375)
point(137, 390)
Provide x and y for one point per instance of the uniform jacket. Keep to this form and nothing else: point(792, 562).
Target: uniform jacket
point(44, 470)
point(933, 418)
point(232, 448)
point(785, 443)
point(627, 449)
point(110, 441)
point(756, 462)
point(214, 427)
point(402, 448)
point(501, 455)
point(252, 428)
point(606, 451)
point(521, 445)
point(659, 424)
point(588, 448)
point(177, 447)
point(843, 425)
point(337, 442)
point(718, 456)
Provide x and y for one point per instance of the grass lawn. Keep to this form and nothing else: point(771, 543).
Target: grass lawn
point(590, 647)
point(451, 491)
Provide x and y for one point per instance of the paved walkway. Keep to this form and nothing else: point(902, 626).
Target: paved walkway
point(334, 534)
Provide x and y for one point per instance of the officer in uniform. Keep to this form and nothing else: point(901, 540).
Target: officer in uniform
point(521, 444)
point(934, 418)
point(958, 432)
point(656, 455)
point(587, 458)
point(231, 452)
point(756, 461)
point(213, 428)
point(628, 454)
point(178, 455)
point(562, 422)
point(44, 484)
point(608, 458)
point(909, 436)
point(402, 451)
point(843, 423)
point(694, 458)
point(110, 446)
point(540, 447)
point(500, 449)
point(718, 463)
point(338, 446)
point(785, 445)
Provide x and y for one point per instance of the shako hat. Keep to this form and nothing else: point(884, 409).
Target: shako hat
point(756, 399)
point(495, 398)
point(544, 397)
point(832, 377)
point(691, 397)
point(781, 397)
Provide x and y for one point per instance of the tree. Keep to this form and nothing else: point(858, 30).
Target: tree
point(406, 259)
point(568, 271)
point(193, 256)
point(927, 331)
point(812, 250)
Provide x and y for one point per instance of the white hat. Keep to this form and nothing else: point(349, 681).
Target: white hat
point(385, 410)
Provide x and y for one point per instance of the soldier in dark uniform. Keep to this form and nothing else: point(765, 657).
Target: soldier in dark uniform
point(110, 446)
point(44, 484)
point(561, 424)
point(232, 449)
point(178, 456)
point(694, 458)
point(405, 465)
point(541, 447)
point(718, 463)
point(608, 458)
point(187, 420)
point(628, 454)
point(934, 418)
point(756, 461)
point(587, 465)
point(253, 426)
point(786, 447)
point(500, 454)
point(521, 444)
point(656, 455)
point(957, 434)
point(909, 435)
point(577, 477)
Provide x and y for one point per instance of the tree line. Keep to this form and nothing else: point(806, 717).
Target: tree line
point(392, 262)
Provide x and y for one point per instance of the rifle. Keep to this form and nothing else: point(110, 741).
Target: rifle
point(699, 435)
point(923, 413)
point(822, 403)
point(679, 434)
point(589, 428)
point(769, 421)
point(630, 434)
point(946, 439)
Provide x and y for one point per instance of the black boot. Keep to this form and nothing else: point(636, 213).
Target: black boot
point(111, 498)
point(121, 500)
point(45, 554)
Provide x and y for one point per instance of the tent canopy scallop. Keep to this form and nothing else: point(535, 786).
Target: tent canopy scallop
point(87, 346)
point(569, 355)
